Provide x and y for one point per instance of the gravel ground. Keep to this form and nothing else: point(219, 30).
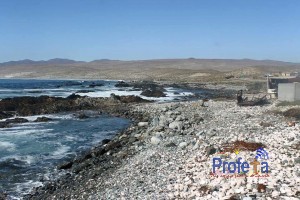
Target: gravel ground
point(176, 159)
point(171, 151)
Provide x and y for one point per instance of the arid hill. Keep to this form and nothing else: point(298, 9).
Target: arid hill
point(191, 70)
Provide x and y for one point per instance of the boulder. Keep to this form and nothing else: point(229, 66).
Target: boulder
point(131, 99)
point(73, 96)
point(176, 125)
point(82, 116)
point(142, 124)
point(4, 125)
point(42, 119)
point(5, 115)
point(155, 140)
point(105, 141)
point(183, 145)
point(122, 84)
point(96, 85)
point(153, 93)
point(16, 120)
point(85, 91)
point(66, 165)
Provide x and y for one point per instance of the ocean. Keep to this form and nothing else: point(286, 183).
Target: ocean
point(31, 151)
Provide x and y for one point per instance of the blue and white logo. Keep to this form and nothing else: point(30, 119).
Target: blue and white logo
point(262, 154)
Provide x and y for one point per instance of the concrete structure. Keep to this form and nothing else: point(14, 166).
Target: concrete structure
point(273, 82)
point(289, 91)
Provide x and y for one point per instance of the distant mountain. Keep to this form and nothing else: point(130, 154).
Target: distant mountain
point(55, 61)
point(102, 60)
point(62, 61)
point(207, 63)
point(191, 69)
point(20, 62)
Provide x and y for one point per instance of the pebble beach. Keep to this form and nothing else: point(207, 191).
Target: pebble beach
point(169, 154)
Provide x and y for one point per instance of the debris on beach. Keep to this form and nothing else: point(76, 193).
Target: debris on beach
point(254, 101)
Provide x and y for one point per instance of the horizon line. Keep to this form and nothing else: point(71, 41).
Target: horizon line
point(152, 59)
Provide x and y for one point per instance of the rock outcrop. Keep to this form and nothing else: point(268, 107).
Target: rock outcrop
point(26, 106)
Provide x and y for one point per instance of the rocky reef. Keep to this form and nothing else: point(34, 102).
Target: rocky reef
point(26, 106)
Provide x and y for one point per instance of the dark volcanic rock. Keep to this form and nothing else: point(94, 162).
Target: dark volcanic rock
point(132, 99)
point(66, 165)
point(153, 93)
point(73, 96)
point(26, 106)
point(82, 116)
point(42, 119)
point(37, 105)
point(105, 141)
point(128, 99)
point(5, 115)
point(113, 145)
point(122, 84)
point(4, 125)
point(16, 120)
point(85, 91)
point(35, 91)
point(95, 85)
point(150, 89)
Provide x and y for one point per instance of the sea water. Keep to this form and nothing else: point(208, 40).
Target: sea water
point(30, 152)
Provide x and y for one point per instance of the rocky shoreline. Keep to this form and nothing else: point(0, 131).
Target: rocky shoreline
point(167, 154)
point(167, 151)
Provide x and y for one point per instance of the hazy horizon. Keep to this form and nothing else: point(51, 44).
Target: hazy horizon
point(107, 59)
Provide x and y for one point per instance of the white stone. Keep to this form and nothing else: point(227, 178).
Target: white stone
point(155, 140)
point(171, 195)
point(175, 125)
point(237, 191)
point(141, 124)
point(183, 145)
point(275, 193)
point(282, 190)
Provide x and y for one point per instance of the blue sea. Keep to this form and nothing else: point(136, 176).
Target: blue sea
point(30, 152)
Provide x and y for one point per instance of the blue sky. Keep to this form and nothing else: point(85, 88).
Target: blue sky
point(149, 29)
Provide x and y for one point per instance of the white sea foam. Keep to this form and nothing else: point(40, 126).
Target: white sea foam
point(7, 146)
point(70, 138)
point(42, 89)
point(108, 93)
point(26, 186)
point(22, 131)
point(169, 94)
point(52, 116)
point(60, 152)
point(26, 159)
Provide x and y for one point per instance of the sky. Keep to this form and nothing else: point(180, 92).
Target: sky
point(149, 29)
